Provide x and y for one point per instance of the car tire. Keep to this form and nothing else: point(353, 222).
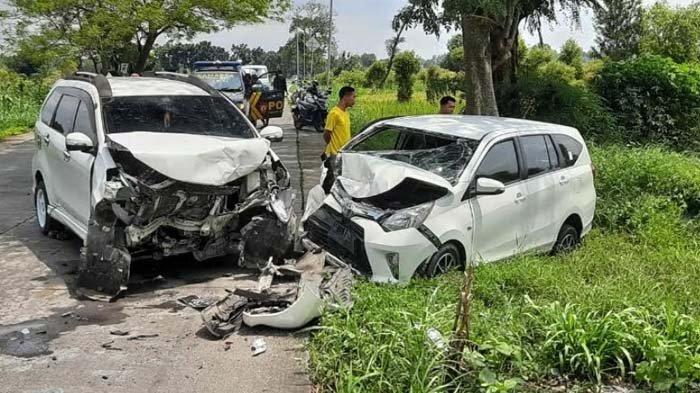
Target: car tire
point(41, 208)
point(568, 239)
point(445, 259)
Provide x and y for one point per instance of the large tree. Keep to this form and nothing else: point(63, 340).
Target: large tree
point(619, 27)
point(246, 54)
point(672, 32)
point(490, 31)
point(109, 26)
point(175, 55)
point(311, 22)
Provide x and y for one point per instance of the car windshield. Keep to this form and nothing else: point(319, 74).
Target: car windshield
point(204, 115)
point(443, 155)
point(222, 81)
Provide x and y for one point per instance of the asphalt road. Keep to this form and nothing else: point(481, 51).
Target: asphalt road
point(76, 351)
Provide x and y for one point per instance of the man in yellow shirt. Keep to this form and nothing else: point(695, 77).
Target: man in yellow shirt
point(337, 133)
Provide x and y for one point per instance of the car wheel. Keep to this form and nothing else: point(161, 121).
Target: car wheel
point(41, 205)
point(568, 239)
point(445, 259)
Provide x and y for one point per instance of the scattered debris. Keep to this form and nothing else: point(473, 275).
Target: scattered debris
point(67, 314)
point(141, 336)
point(108, 346)
point(119, 333)
point(196, 302)
point(224, 317)
point(227, 345)
point(259, 346)
point(436, 337)
point(25, 331)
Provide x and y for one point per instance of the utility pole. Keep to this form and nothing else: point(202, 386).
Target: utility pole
point(296, 31)
point(330, 45)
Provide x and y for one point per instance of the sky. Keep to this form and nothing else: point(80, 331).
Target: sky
point(364, 25)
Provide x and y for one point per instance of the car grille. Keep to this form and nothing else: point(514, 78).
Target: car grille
point(322, 229)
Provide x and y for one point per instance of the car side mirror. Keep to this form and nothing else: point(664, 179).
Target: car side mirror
point(486, 186)
point(272, 133)
point(77, 141)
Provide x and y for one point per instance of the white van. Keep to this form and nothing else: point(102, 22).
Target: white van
point(426, 193)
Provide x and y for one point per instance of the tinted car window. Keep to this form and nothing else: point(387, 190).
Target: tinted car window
point(500, 163)
point(569, 148)
point(202, 115)
point(83, 123)
point(536, 155)
point(50, 107)
point(65, 114)
point(553, 157)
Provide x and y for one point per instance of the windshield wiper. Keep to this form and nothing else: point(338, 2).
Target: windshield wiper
point(231, 90)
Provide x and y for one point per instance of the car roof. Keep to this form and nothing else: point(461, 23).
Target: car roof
point(146, 86)
point(475, 127)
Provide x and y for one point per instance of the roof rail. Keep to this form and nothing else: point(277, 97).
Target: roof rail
point(99, 81)
point(191, 79)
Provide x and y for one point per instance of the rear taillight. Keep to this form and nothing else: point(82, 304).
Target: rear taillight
point(593, 169)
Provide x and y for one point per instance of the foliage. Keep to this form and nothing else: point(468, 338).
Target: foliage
point(355, 78)
point(311, 22)
point(110, 28)
point(673, 33)
point(20, 100)
point(572, 55)
point(406, 65)
point(176, 55)
point(375, 73)
point(455, 54)
point(538, 56)
point(547, 97)
point(440, 82)
point(246, 54)
point(656, 100)
point(619, 28)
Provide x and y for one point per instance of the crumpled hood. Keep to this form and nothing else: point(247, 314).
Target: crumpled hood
point(365, 176)
point(198, 159)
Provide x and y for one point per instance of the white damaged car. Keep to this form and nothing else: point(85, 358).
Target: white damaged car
point(157, 166)
point(424, 194)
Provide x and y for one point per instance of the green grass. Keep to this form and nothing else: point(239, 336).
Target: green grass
point(20, 101)
point(622, 309)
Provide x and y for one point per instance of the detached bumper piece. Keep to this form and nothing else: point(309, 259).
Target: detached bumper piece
point(287, 297)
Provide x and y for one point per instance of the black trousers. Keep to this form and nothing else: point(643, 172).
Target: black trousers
point(329, 163)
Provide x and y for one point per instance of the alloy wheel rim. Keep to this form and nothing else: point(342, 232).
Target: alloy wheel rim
point(446, 263)
point(568, 242)
point(41, 208)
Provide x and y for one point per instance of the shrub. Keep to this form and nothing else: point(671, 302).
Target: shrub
point(355, 78)
point(556, 101)
point(406, 65)
point(375, 73)
point(20, 99)
point(655, 99)
point(440, 82)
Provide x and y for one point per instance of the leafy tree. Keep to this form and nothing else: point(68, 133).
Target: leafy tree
point(538, 56)
point(406, 65)
point(455, 55)
point(572, 55)
point(490, 31)
point(112, 27)
point(247, 55)
point(375, 73)
point(619, 27)
point(367, 59)
point(311, 21)
point(174, 55)
point(673, 33)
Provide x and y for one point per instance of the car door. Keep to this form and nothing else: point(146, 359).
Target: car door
point(44, 149)
point(499, 219)
point(77, 166)
point(61, 125)
point(541, 216)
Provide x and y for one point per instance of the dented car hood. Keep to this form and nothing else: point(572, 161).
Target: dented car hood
point(197, 159)
point(365, 176)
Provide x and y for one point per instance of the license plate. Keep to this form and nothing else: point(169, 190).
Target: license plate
point(343, 237)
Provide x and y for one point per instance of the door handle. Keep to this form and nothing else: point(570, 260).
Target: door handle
point(66, 155)
point(563, 180)
point(46, 138)
point(519, 197)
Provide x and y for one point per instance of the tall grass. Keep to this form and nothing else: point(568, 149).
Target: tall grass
point(622, 309)
point(20, 101)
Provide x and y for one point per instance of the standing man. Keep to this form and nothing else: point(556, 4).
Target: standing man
point(337, 133)
point(447, 105)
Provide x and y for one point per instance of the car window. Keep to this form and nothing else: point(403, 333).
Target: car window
point(500, 163)
point(569, 148)
point(201, 115)
point(83, 123)
point(553, 157)
point(50, 107)
point(385, 139)
point(65, 114)
point(536, 154)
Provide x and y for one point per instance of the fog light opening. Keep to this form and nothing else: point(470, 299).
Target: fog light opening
point(392, 259)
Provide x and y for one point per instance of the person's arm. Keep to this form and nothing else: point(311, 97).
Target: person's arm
point(330, 125)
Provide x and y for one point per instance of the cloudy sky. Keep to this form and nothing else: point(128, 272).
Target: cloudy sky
point(364, 25)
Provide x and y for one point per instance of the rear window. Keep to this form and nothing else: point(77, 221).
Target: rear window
point(569, 149)
point(201, 115)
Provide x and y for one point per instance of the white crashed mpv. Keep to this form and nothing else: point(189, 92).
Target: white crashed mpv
point(156, 166)
point(424, 194)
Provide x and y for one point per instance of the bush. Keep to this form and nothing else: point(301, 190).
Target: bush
point(375, 74)
point(406, 65)
point(440, 82)
point(655, 99)
point(20, 99)
point(556, 101)
point(355, 78)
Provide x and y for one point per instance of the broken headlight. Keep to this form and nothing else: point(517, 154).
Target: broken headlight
point(411, 217)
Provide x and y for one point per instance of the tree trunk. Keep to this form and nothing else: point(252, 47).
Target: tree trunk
point(145, 51)
point(479, 91)
point(397, 41)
